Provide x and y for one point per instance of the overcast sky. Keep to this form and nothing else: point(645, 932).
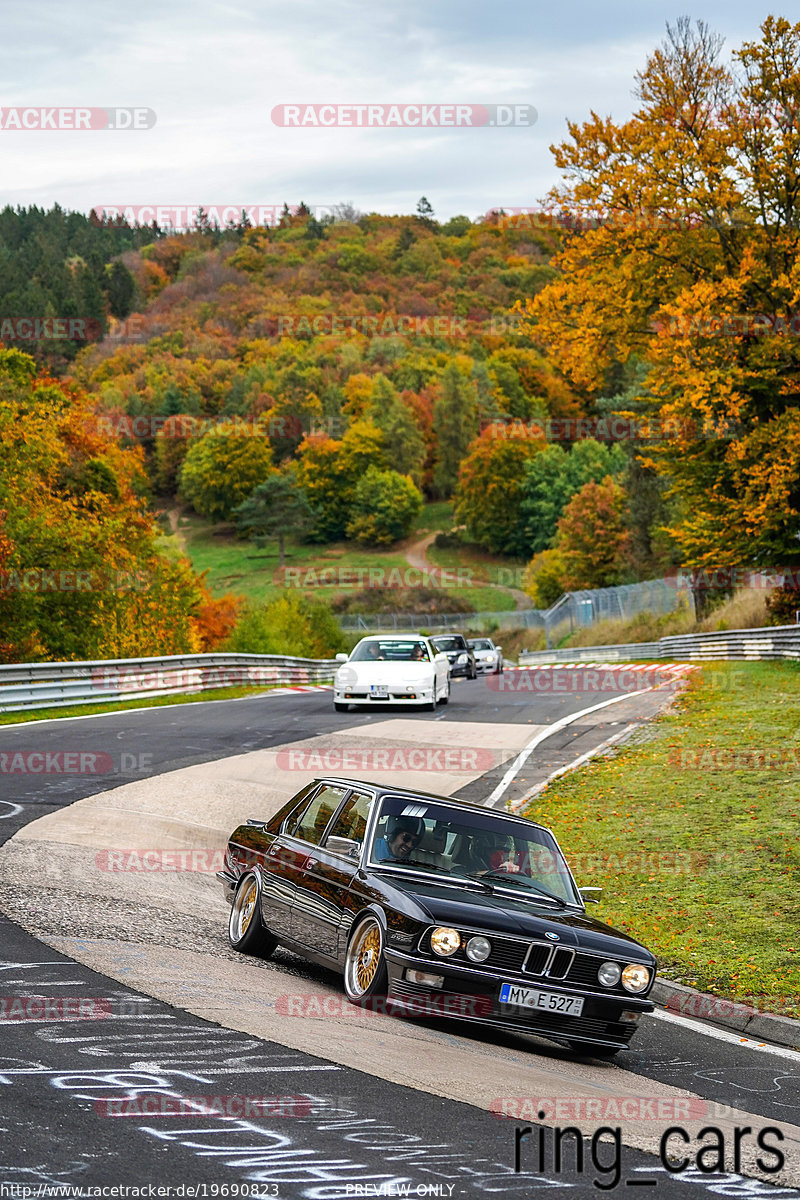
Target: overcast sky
point(213, 72)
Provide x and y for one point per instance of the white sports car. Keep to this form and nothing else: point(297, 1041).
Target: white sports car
point(488, 657)
point(392, 669)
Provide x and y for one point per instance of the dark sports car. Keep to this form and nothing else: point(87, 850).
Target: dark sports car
point(436, 907)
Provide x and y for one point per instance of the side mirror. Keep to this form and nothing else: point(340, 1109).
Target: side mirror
point(342, 657)
point(590, 899)
point(498, 649)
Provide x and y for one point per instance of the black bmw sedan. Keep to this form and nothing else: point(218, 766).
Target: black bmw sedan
point(435, 907)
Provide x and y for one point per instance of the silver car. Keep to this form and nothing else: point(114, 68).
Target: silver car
point(488, 657)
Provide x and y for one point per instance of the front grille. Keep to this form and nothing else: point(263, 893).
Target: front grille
point(560, 964)
point(537, 959)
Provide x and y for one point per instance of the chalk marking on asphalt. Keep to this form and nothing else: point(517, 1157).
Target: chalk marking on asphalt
point(725, 1035)
point(15, 808)
point(543, 734)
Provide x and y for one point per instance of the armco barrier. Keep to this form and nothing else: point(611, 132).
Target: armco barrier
point(747, 645)
point(54, 685)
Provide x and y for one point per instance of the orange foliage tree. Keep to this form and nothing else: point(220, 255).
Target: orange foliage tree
point(685, 257)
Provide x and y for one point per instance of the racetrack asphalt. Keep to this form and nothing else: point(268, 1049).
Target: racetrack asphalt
point(156, 741)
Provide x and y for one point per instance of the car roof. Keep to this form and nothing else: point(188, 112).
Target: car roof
point(394, 637)
point(384, 789)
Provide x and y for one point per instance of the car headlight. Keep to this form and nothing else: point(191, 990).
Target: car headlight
point(445, 941)
point(478, 949)
point(462, 658)
point(635, 978)
point(609, 974)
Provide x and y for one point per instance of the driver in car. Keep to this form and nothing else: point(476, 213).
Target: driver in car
point(402, 836)
point(490, 852)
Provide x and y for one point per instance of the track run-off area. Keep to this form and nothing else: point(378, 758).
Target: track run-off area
point(138, 1049)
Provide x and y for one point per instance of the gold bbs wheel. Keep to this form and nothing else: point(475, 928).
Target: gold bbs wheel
point(365, 970)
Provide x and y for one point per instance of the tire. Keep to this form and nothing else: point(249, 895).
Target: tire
point(246, 932)
point(339, 707)
point(365, 973)
point(443, 699)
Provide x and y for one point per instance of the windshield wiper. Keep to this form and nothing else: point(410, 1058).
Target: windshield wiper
point(510, 877)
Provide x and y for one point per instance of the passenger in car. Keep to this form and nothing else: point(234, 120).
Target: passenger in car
point(402, 836)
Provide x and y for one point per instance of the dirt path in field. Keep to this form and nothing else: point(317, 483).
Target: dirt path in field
point(417, 557)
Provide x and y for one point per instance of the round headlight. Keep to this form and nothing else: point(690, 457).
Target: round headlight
point(478, 949)
point(635, 978)
point(462, 658)
point(609, 974)
point(445, 941)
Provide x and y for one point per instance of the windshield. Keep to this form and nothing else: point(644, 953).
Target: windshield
point(481, 644)
point(391, 650)
point(425, 836)
point(448, 643)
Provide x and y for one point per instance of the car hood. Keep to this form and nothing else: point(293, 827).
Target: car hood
point(505, 915)
point(382, 672)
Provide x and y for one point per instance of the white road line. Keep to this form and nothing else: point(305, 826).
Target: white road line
point(543, 734)
point(726, 1035)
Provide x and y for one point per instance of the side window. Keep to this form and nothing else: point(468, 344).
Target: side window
point(352, 820)
point(312, 821)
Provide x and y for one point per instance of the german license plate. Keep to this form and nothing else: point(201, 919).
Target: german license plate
point(378, 691)
point(568, 1006)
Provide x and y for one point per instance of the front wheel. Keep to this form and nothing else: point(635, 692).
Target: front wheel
point(365, 973)
point(443, 699)
point(339, 707)
point(246, 931)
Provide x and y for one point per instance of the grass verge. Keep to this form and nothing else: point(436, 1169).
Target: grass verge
point(85, 710)
point(695, 840)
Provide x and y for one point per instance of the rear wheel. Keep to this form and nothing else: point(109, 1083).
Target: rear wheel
point(365, 973)
point(246, 931)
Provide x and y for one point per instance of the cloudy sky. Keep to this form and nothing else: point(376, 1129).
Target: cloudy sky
point(214, 72)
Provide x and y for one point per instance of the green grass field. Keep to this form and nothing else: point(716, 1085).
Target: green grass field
point(237, 566)
point(695, 841)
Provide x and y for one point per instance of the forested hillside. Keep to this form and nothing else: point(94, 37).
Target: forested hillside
point(604, 390)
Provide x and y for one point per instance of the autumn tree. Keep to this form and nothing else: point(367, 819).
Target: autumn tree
point(591, 548)
point(686, 255)
point(384, 506)
point(490, 487)
point(455, 424)
point(403, 443)
point(549, 480)
point(220, 471)
point(81, 576)
point(329, 470)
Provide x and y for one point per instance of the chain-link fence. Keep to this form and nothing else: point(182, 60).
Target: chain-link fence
point(574, 610)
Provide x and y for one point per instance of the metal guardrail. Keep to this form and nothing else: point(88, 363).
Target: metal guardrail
point(54, 685)
point(747, 645)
